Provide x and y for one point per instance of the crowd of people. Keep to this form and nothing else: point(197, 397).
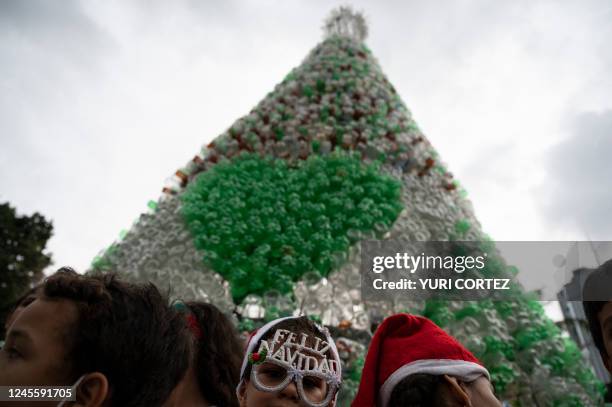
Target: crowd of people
point(125, 344)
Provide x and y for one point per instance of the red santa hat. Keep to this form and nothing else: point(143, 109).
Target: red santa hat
point(404, 345)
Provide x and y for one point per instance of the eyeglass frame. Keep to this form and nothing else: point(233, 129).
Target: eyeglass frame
point(296, 375)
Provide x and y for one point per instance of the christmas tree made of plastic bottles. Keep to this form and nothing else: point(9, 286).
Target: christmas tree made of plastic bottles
point(266, 221)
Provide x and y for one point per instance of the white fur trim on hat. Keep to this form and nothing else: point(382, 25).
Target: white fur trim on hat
point(461, 369)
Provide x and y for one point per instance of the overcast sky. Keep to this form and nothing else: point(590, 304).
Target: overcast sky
point(100, 101)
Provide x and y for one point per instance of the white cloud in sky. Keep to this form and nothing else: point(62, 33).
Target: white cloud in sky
point(579, 192)
point(101, 101)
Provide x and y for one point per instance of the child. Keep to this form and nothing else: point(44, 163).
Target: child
point(214, 371)
point(412, 362)
point(117, 344)
point(290, 361)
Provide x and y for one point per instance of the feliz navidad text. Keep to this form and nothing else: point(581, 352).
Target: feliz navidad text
point(302, 352)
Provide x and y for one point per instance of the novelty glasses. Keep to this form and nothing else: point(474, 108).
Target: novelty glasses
point(315, 388)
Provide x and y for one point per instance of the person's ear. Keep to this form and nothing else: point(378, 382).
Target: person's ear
point(456, 392)
point(92, 391)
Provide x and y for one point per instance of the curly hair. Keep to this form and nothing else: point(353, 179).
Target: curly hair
point(128, 332)
point(218, 355)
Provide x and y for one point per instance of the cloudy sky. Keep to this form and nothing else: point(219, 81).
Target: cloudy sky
point(101, 101)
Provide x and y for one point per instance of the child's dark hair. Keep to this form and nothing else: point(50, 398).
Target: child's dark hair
point(418, 390)
point(302, 324)
point(597, 287)
point(591, 310)
point(128, 332)
point(218, 355)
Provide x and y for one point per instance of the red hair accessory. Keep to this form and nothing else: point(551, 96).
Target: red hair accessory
point(192, 321)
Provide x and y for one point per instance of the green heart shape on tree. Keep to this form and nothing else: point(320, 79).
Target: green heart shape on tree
point(263, 222)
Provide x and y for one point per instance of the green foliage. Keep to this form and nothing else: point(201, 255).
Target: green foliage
point(102, 262)
point(438, 312)
point(262, 222)
point(462, 227)
point(22, 257)
point(502, 376)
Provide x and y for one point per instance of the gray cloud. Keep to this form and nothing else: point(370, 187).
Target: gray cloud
point(48, 33)
point(579, 182)
point(47, 49)
point(50, 58)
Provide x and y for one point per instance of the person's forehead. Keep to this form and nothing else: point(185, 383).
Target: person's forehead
point(23, 302)
point(46, 319)
point(484, 383)
point(27, 298)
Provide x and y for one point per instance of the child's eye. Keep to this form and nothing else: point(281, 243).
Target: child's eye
point(274, 373)
point(11, 353)
point(312, 382)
